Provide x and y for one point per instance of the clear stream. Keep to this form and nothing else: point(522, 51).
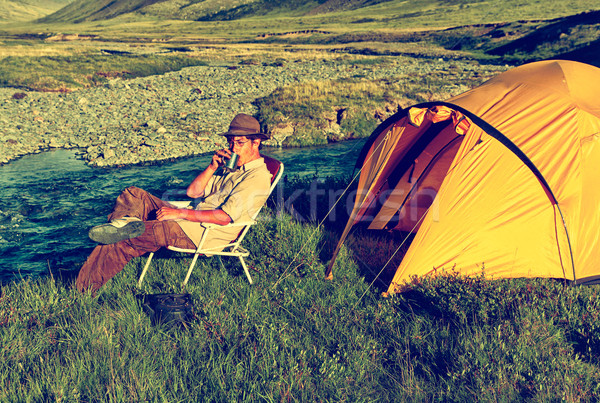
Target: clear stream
point(49, 201)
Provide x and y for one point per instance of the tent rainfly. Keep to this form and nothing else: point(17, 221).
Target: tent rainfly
point(502, 180)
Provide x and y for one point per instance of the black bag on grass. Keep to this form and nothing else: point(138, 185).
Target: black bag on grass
point(168, 309)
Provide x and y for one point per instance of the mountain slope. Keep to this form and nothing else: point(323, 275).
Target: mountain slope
point(562, 33)
point(94, 10)
point(27, 10)
point(190, 9)
point(291, 7)
point(205, 10)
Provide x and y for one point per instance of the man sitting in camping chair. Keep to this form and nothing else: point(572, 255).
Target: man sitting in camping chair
point(141, 222)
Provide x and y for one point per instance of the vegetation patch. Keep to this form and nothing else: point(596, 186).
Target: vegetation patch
point(66, 73)
point(295, 336)
point(319, 112)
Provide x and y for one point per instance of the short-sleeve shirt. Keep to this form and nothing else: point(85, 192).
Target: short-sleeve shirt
point(240, 194)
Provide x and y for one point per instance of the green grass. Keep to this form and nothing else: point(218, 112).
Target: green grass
point(65, 73)
point(293, 336)
point(333, 110)
point(268, 16)
point(26, 11)
point(387, 28)
point(296, 337)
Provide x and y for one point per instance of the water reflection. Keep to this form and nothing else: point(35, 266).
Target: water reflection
point(48, 201)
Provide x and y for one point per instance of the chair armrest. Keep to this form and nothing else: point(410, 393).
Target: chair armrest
point(233, 224)
point(181, 203)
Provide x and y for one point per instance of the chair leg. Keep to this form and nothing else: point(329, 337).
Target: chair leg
point(245, 269)
point(145, 269)
point(189, 273)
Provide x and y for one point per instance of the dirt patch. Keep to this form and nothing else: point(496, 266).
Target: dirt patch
point(293, 34)
point(70, 37)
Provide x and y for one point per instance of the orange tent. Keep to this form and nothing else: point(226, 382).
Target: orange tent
point(503, 180)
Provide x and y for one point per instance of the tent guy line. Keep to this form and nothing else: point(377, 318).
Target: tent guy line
point(315, 231)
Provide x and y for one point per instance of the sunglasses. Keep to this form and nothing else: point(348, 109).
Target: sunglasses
point(238, 143)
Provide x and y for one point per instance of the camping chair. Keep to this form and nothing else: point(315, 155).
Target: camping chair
point(231, 249)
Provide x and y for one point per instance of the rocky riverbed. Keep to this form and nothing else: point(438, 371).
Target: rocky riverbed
point(163, 117)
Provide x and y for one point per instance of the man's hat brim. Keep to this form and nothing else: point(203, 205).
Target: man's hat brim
point(233, 133)
point(245, 125)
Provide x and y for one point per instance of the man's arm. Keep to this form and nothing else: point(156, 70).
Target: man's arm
point(198, 185)
point(197, 189)
point(216, 216)
point(247, 197)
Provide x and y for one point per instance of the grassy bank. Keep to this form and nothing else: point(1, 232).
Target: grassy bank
point(68, 56)
point(321, 112)
point(293, 336)
point(66, 73)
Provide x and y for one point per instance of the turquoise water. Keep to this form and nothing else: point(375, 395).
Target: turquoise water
point(49, 201)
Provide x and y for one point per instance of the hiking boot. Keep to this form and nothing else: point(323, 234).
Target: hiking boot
point(117, 230)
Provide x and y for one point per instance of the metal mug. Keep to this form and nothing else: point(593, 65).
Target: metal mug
point(231, 163)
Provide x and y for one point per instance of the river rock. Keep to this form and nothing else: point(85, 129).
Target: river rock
point(279, 133)
point(172, 115)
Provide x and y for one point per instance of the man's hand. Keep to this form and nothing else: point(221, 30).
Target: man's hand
point(216, 216)
point(198, 185)
point(168, 213)
point(219, 158)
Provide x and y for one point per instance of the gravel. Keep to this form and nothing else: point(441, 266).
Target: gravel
point(164, 117)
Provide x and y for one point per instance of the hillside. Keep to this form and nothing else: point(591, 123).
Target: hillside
point(384, 13)
point(206, 10)
point(95, 10)
point(28, 10)
point(289, 7)
point(505, 31)
point(573, 37)
point(508, 32)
